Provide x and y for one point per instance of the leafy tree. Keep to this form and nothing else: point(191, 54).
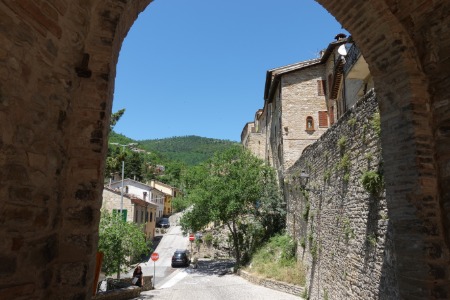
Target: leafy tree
point(120, 242)
point(235, 188)
point(115, 117)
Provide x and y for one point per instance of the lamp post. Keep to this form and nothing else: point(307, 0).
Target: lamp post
point(123, 170)
point(304, 179)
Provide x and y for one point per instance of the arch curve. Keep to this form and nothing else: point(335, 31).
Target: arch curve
point(61, 67)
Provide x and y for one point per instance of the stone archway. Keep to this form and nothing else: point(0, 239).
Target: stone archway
point(57, 70)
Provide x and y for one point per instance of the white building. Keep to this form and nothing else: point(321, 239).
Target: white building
point(142, 191)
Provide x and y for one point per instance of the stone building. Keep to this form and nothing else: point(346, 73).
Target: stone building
point(348, 77)
point(135, 209)
point(293, 102)
point(142, 191)
point(253, 138)
point(58, 62)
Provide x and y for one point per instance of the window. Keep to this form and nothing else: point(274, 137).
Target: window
point(145, 195)
point(323, 119)
point(126, 189)
point(146, 216)
point(124, 213)
point(309, 123)
point(151, 216)
point(142, 216)
point(321, 87)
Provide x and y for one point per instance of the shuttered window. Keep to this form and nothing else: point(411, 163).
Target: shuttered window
point(323, 119)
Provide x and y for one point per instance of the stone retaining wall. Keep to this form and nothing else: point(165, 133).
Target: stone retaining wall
point(129, 292)
point(343, 231)
point(272, 284)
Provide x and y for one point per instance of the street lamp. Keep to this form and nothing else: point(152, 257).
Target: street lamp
point(123, 170)
point(304, 179)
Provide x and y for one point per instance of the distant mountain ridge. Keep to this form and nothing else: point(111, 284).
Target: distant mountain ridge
point(191, 149)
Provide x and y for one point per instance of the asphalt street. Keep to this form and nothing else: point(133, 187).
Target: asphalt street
point(212, 280)
point(172, 240)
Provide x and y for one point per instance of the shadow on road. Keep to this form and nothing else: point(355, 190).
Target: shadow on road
point(213, 267)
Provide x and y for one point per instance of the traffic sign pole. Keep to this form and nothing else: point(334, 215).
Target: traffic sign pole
point(191, 239)
point(154, 257)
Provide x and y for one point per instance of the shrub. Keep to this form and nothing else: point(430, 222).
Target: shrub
point(376, 123)
point(208, 238)
point(277, 260)
point(372, 182)
point(351, 122)
point(342, 142)
point(344, 163)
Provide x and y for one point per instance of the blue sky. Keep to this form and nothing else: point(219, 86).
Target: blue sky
point(198, 67)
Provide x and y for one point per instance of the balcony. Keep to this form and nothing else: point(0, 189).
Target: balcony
point(355, 65)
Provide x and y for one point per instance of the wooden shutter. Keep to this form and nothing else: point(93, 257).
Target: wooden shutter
point(323, 119)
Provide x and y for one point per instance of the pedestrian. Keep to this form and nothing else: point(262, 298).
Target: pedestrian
point(138, 277)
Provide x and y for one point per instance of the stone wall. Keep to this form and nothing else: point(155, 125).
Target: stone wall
point(272, 284)
point(343, 230)
point(57, 68)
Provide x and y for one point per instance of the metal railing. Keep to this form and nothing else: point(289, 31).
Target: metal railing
point(350, 59)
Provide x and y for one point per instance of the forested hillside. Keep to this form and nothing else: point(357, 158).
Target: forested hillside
point(191, 150)
point(176, 154)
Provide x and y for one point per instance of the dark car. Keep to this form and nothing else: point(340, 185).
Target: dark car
point(181, 258)
point(163, 223)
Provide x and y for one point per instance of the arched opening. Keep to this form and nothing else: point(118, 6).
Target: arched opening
point(62, 70)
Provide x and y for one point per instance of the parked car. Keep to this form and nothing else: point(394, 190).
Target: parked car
point(163, 223)
point(181, 258)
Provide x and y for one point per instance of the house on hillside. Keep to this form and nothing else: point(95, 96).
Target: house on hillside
point(169, 192)
point(135, 209)
point(142, 191)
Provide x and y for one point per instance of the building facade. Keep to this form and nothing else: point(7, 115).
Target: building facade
point(139, 190)
point(135, 210)
point(168, 192)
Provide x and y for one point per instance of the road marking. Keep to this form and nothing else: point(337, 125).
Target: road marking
point(174, 280)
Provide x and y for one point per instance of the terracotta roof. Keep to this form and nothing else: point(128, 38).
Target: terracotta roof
point(273, 75)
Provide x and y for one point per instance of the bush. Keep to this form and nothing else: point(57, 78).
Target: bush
point(277, 260)
point(372, 182)
point(376, 123)
point(208, 238)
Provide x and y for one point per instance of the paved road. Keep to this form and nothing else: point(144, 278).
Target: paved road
point(188, 284)
point(172, 240)
point(210, 281)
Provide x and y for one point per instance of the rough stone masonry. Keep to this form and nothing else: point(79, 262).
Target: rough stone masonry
point(57, 68)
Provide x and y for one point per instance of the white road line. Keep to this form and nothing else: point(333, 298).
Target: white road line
point(174, 280)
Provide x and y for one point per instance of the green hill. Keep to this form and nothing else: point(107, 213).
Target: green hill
point(191, 150)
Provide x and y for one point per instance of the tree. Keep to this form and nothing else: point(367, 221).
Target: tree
point(120, 243)
point(115, 117)
point(238, 190)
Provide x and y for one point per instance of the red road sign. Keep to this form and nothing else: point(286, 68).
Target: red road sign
point(191, 237)
point(155, 256)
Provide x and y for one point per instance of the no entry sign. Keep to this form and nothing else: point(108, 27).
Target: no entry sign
point(154, 256)
point(191, 237)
